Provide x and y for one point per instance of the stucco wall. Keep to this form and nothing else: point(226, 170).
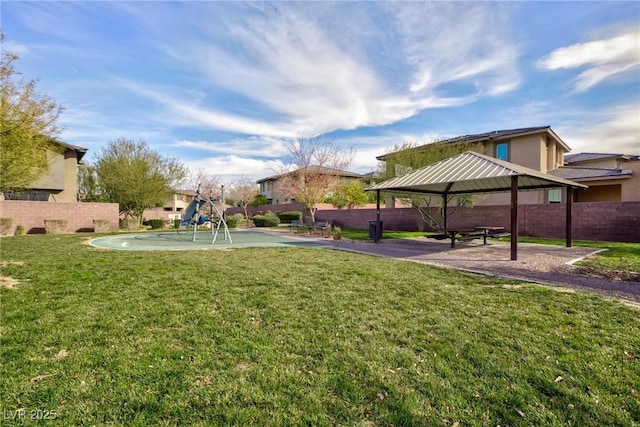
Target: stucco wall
point(80, 216)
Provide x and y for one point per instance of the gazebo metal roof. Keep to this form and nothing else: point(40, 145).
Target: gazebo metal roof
point(471, 172)
point(468, 173)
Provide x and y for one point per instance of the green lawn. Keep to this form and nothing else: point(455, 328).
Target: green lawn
point(293, 336)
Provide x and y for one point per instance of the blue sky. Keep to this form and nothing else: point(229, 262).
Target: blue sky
point(222, 85)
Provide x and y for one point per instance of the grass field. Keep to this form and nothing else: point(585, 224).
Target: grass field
point(295, 336)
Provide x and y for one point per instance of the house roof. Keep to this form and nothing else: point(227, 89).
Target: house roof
point(80, 150)
point(590, 157)
point(315, 169)
point(589, 174)
point(470, 172)
point(488, 136)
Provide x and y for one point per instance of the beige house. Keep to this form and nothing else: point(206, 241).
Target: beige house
point(60, 184)
point(538, 148)
point(277, 188)
point(610, 177)
point(173, 208)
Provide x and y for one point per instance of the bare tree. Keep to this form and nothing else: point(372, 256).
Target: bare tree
point(243, 191)
point(312, 169)
point(210, 185)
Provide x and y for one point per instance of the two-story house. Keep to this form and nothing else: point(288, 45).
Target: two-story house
point(60, 184)
point(538, 148)
point(610, 177)
point(173, 208)
point(278, 189)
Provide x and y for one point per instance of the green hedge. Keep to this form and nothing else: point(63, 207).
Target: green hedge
point(269, 219)
point(287, 217)
point(156, 223)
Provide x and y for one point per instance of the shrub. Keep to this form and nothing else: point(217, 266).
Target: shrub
point(156, 223)
point(5, 226)
point(337, 233)
point(232, 222)
point(287, 217)
point(20, 230)
point(176, 223)
point(269, 219)
point(273, 216)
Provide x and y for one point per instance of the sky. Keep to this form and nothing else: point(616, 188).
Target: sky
point(222, 86)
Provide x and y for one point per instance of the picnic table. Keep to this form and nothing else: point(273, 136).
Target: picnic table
point(469, 234)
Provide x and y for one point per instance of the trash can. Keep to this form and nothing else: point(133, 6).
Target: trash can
point(372, 229)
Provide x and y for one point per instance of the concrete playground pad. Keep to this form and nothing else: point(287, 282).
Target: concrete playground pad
point(183, 240)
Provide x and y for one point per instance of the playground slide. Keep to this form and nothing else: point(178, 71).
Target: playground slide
point(187, 216)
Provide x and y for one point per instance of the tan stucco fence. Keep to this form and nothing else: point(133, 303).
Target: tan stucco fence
point(603, 221)
point(79, 217)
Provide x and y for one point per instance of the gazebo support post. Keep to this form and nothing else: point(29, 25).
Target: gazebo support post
point(514, 217)
point(378, 230)
point(444, 211)
point(568, 219)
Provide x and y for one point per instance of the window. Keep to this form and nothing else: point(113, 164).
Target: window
point(555, 195)
point(502, 151)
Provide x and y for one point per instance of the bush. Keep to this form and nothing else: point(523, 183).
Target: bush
point(156, 223)
point(5, 226)
point(269, 219)
point(176, 223)
point(55, 226)
point(232, 222)
point(337, 233)
point(20, 230)
point(287, 217)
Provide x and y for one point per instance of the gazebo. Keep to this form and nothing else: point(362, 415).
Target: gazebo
point(470, 173)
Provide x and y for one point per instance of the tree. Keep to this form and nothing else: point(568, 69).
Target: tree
point(411, 156)
point(259, 200)
point(135, 177)
point(28, 126)
point(210, 185)
point(318, 163)
point(349, 195)
point(88, 187)
point(243, 192)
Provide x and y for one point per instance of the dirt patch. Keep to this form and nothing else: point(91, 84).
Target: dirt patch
point(8, 282)
point(6, 263)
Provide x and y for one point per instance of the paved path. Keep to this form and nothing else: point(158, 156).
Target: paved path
point(536, 263)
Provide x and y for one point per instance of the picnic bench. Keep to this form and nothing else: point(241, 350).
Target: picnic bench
point(321, 226)
point(469, 234)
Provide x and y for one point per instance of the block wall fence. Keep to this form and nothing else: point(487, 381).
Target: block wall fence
point(80, 216)
point(606, 221)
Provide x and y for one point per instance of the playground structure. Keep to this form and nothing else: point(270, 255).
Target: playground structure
point(193, 215)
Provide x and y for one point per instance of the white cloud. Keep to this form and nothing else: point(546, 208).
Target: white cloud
point(232, 167)
point(257, 146)
point(317, 69)
point(603, 59)
point(614, 130)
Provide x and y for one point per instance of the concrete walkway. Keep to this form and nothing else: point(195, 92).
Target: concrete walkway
point(545, 264)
